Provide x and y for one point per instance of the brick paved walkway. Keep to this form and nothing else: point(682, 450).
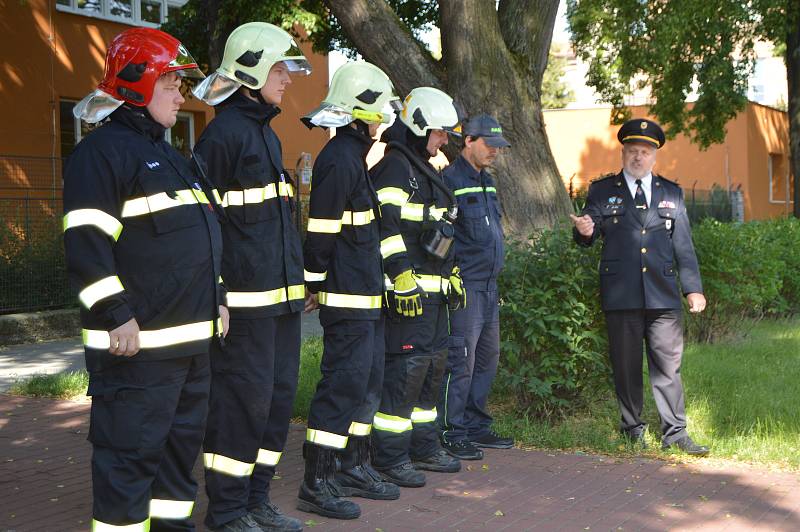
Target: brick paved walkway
point(45, 486)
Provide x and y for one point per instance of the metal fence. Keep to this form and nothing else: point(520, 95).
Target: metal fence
point(717, 203)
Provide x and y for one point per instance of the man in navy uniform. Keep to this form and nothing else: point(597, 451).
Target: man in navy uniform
point(474, 343)
point(647, 240)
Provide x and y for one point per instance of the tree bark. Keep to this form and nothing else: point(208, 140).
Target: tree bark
point(793, 77)
point(490, 64)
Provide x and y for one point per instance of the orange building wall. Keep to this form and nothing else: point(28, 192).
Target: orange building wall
point(33, 78)
point(585, 146)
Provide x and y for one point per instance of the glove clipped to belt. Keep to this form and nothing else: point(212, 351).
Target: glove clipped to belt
point(456, 294)
point(408, 294)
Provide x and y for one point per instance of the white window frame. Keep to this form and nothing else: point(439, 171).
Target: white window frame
point(785, 182)
point(135, 20)
point(168, 132)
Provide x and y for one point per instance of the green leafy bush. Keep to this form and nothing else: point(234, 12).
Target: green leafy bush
point(742, 271)
point(783, 234)
point(32, 268)
point(552, 332)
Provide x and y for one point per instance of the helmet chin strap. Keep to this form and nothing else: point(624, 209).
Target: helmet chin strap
point(257, 95)
point(362, 127)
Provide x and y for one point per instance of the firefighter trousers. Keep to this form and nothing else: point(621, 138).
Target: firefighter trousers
point(405, 426)
point(146, 428)
point(254, 380)
point(349, 391)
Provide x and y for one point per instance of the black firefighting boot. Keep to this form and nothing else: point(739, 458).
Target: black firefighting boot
point(357, 478)
point(319, 493)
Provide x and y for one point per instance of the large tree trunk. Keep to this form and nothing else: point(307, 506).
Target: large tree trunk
point(793, 76)
point(492, 62)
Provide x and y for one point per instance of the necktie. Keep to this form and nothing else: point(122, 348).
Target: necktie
point(640, 200)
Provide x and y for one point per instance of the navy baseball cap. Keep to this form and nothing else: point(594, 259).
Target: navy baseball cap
point(488, 128)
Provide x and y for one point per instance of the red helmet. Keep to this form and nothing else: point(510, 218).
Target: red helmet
point(135, 60)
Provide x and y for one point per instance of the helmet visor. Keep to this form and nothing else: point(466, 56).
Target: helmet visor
point(295, 61)
point(216, 88)
point(184, 65)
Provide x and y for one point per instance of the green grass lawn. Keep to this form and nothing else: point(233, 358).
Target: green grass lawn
point(742, 399)
point(65, 385)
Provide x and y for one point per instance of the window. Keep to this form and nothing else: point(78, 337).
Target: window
point(72, 129)
point(781, 184)
point(181, 135)
point(151, 13)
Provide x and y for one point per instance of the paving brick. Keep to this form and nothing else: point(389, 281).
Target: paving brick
point(46, 486)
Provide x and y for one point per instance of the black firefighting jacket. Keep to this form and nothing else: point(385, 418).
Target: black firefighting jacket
point(141, 241)
point(406, 195)
point(262, 265)
point(342, 250)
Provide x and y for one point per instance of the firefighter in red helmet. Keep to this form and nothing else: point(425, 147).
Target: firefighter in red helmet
point(143, 248)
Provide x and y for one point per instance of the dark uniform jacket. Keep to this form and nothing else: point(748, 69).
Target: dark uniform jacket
point(262, 267)
point(341, 251)
point(640, 259)
point(479, 245)
point(141, 240)
point(406, 196)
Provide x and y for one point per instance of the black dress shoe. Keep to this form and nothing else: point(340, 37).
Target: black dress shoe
point(463, 450)
point(688, 446)
point(636, 437)
point(492, 440)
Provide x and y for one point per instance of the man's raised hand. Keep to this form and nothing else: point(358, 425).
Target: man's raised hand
point(584, 224)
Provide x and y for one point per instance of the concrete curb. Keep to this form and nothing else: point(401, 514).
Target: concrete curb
point(39, 326)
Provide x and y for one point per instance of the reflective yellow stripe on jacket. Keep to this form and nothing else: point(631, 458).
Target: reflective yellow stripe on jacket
point(473, 190)
point(157, 338)
point(327, 225)
point(256, 195)
point(100, 219)
point(100, 290)
point(429, 283)
point(265, 298)
point(162, 201)
point(349, 300)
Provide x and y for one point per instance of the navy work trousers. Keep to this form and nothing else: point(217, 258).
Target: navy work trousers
point(473, 353)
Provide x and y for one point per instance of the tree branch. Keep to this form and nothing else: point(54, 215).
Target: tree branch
point(527, 28)
point(382, 39)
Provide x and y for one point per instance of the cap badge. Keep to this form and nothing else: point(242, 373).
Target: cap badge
point(643, 125)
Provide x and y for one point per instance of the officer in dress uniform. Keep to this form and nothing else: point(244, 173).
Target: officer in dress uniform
point(642, 220)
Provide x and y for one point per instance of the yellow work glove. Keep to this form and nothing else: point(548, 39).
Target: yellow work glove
point(456, 293)
point(408, 294)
